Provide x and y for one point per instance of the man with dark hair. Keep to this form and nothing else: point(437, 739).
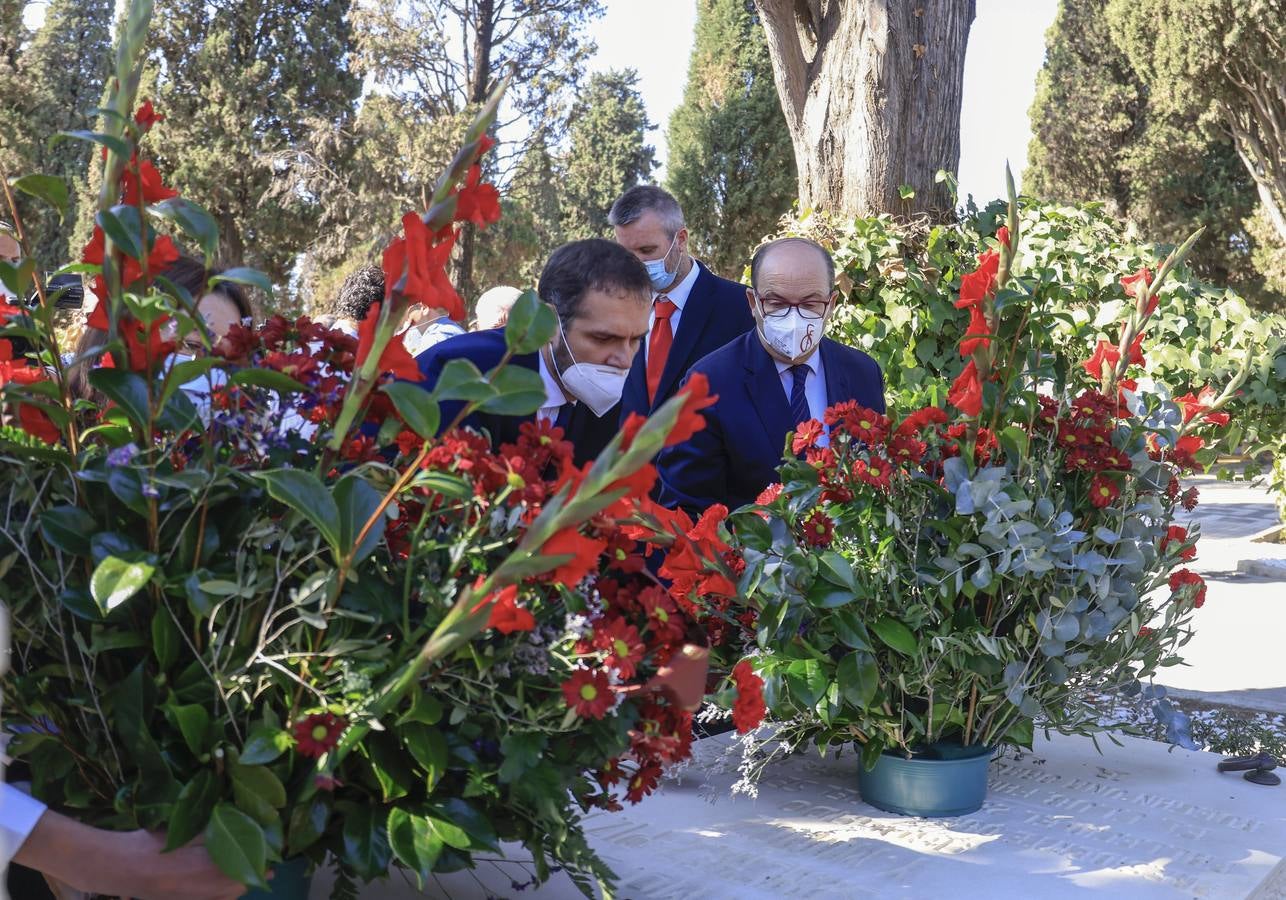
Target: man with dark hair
point(694, 311)
point(601, 295)
point(768, 381)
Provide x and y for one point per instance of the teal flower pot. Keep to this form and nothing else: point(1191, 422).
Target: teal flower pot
point(290, 881)
point(944, 780)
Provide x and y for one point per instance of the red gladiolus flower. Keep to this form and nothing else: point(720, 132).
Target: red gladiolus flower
point(1187, 579)
point(1103, 491)
point(978, 284)
point(588, 693)
point(1002, 235)
point(696, 397)
point(978, 334)
point(144, 187)
point(966, 391)
point(1194, 405)
point(1135, 352)
point(584, 553)
point(643, 782)
point(477, 202)
point(395, 360)
point(807, 435)
point(748, 710)
point(506, 615)
point(1133, 286)
point(146, 117)
point(424, 261)
point(315, 735)
point(1106, 355)
point(1177, 535)
point(818, 529)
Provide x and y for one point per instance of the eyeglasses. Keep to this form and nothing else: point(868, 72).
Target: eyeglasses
point(774, 308)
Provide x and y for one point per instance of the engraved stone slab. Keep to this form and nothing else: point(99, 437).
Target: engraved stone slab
point(1138, 821)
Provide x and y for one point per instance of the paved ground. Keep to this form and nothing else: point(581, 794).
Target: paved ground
point(1238, 654)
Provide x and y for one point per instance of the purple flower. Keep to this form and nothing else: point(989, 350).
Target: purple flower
point(150, 490)
point(122, 456)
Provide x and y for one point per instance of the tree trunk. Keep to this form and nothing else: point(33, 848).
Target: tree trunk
point(871, 91)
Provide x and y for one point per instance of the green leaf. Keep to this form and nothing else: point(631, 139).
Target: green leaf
point(192, 220)
point(68, 528)
point(519, 392)
point(894, 634)
point(424, 708)
point(1015, 441)
point(115, 581)
point(414, 842)
point(461, 380)
point(257, 792)
point(357, 502)
point(193, 723)
point(304, 492)
point(850, 630)
point(111, 142)
point(836, 569)
point(264, 744)
point(191, 813)
point(859, 678)
point(459, 813)
point(416, 407)
point(268, 378)
point(242, 275)
point(905, 191)
point(121, 223)
point(366, 848)
point(520, 752)
point(389, 765)
point(44, 187)
point(126, 390)
point(308, 823)
point(166, 638)
point(807, 682)
point(531, 325)
point(237, 846)
point(428, 747)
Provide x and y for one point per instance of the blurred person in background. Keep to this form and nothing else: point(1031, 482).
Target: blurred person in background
point(493, 307)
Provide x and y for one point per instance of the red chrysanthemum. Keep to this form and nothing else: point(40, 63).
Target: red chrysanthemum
point(315, 735)
point(966, 391)
point(610, 773)
point(866, 425)
point(1189, 499)
point(806, 435)
point(1103, 491)
point(588, 693)
point(643, 782)
point(622, 644)
point(817, 529)
point(749, 709)
point(663, 618)
point(1189, 584)
point(878, 473)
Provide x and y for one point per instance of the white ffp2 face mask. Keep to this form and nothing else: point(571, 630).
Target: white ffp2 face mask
point(597, 386)
point(792, 336)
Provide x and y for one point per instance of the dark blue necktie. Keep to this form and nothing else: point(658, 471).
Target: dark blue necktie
point(799, 411)
point(564, 418)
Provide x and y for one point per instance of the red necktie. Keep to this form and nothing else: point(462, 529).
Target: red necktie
point(658, 344)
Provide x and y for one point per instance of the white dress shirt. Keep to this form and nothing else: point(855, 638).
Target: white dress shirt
point(419, 338)
point(814, 389)
point(18, 816)
point(555, 399)
point(678, 295)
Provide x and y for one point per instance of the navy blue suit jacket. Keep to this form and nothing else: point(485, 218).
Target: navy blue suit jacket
point(588, 433)
point(715, 313)
point(736, 455)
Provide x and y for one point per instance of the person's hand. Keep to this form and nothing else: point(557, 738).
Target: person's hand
point(123, 863)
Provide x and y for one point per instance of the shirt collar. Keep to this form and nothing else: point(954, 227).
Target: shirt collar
point(814, 362)
point(679, 293)
point(554, 395)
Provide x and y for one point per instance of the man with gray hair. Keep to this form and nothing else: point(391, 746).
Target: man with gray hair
point(694, 311)
point(768, 381)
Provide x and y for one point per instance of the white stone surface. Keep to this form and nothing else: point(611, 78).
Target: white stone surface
point(1139, 821)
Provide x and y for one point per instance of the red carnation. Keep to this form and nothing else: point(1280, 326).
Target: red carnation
point(1177, 535)
point(818, 529)
point(1185, 578)
point(588, 693)
point(315, 735)
point(768, 494)
point(806, 436)
point(1103, 491)
point(749, 709)
point(966, 391)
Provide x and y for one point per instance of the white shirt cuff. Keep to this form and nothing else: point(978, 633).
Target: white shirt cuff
point(19, 813)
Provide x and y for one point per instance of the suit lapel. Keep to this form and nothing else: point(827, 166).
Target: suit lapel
point(838, 387)
point(766, 395)
point(696, 312)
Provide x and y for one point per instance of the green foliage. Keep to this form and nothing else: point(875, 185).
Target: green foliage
point(900, 280)
point(1101, 132)
point(607, 151)
point(730, 160)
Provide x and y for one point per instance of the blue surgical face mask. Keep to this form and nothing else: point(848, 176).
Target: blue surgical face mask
point(661, 277)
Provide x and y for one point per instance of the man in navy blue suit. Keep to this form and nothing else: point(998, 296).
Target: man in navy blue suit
point(694, 311)
point(602, 296)
point(768, 381)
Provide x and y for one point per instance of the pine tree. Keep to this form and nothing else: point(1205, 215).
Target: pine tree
point(730, 161)
point(607, 151)
point(15, 134)
point(65, 70)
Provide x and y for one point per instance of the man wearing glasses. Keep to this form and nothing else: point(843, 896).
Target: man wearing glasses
point(768, 381)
